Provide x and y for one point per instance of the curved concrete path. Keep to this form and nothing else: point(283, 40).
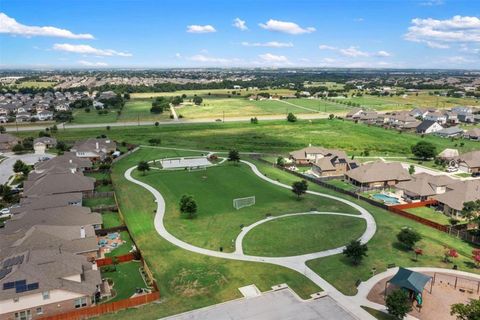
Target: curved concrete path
point(297, 263)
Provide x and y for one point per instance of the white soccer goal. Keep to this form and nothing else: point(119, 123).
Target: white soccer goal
point(243, 202)
point(199, 168)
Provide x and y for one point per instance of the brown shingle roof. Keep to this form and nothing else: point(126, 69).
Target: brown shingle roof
point(379, 171)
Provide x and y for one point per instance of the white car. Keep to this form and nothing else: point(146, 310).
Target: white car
point(4, 211)
point(452, 169)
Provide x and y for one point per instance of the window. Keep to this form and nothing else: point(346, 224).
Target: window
point(46, 295)
point(39, 310)
point(23, 315)
point(81, 302)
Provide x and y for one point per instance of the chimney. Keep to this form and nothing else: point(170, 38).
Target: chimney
point(96, 145)
point(82, 232)
point(70, 161)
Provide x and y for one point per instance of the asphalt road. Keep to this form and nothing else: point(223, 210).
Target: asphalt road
point(6, 166)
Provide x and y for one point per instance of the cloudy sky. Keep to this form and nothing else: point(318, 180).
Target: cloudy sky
point(242, 33)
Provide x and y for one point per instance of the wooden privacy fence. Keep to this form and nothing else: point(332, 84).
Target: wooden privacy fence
point(109, 261)
point(426, 222)
point(100, 309)
point(430, 202)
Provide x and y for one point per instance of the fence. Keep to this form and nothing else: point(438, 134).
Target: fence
point(109, 261)
point(96, 194)
point(105, 231)
point(101, 309)
point(125, 154)
point(398, 209)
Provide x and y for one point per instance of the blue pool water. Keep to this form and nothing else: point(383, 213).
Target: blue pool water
point(386, 199)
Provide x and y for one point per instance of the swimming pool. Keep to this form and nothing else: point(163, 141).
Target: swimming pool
point(386, 199)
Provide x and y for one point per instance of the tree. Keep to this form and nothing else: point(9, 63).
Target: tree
point(331, 116)
point(62, 146)
point(2, 129)
point(476, 257)
point(197, 100)
point(126, 96)
point(234, 156)
point(299, 188)
point(408, 237)
point(18, 148)
point(188, 206)
point(143, 166)
point(466, 311)
point(411, 169)
point(177, 100)
point(21, 166)
point(449, 253)
point(355, 251)
point(291, 117)
point(156, 109)
point(471, 209)
point(254, 120)
point(280, 161)
point(398, 304)
point(424, 150)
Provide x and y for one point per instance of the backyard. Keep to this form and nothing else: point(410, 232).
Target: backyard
point(126, 278)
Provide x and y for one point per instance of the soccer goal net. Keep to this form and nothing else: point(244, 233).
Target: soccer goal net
point(199, 168)
point(243, 202)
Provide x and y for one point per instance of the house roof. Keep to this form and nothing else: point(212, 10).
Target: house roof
point(379, 171)
point(424, 184)
point(472, 158)
point(448, 153)
point(65, 161)
point(50, 269)
point(48, 201)
point(94, 145)
point(59, 216)
point(459, 193)
point(450, 131)
point(409, 279)
point(45, 140)
point(475, 132)
point(57, 183)
point(425, 125)
point(8, 138)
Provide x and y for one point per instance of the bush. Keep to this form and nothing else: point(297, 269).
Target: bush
point(291, 117)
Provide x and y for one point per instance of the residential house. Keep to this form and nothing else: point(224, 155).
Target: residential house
point(40, 283)
point(44, 115)
point(448, 154)
point(49, 142)
point(58, 183)
point(336, 163)
point(428, 126)
point(452, 117)
point(67, 161)
point(378, 174)
point(7, 142)
point(436, 116)
point(469, 162)
point(450, 132)
point(94, 149)
point(354, 113)
point(49, 201)
point(23, 117)
point(309, 155)
point(473, 134)
point(424, 186)
point(451, 202)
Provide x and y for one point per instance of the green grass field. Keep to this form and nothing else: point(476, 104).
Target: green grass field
point(111, 219)
point(277, 137)
point(82, 117)
point(213, 92)
point(297, 235)
point(36, 84)
point(186, 280)
point(126, 279)
point(214, 191)
point(139, 109)
point(430, 214)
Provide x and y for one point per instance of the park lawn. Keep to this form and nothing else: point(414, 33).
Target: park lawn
point(98, 175)
point(297, 235)
point(321, 105)
point(122, 249)
point(209, 93)
point(236, 107)
point(270, 137)
point(430, 214)
point(126, 279)
point(82, 117)
point(139, 110)
point(383, 248)
point(187, 280)
point(329, 84)
point(111, 219)
point(463, 175)
point(214, 191)
point(341, 184)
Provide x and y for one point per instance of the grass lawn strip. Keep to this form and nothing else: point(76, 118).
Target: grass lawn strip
point(126, 279)
point(430, 214)
point(111, 219)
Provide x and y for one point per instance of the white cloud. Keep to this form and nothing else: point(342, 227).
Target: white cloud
point(270, 44)
point(285, 27)
point(208, 59)
point(240, 24)
point(326, 47)
point(458, 60)
point(436, 45)
point(87, 49)
point(11, 26)
point(353, 52)
point(268, 57)
point(92, 64)
point(200, 29)
point(431, 3)
point(358, 19)
point(383, 53)
point(457, 29)
point(178, 55)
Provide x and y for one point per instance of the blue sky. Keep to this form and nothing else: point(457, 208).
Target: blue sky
point(242, 33)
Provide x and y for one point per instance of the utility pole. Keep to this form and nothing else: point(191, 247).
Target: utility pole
point(223, 116)
point(138, 118)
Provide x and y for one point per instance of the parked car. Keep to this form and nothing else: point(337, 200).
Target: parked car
point(452, 169)
point(4, 211)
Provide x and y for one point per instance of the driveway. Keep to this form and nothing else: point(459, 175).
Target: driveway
point(6, 166)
